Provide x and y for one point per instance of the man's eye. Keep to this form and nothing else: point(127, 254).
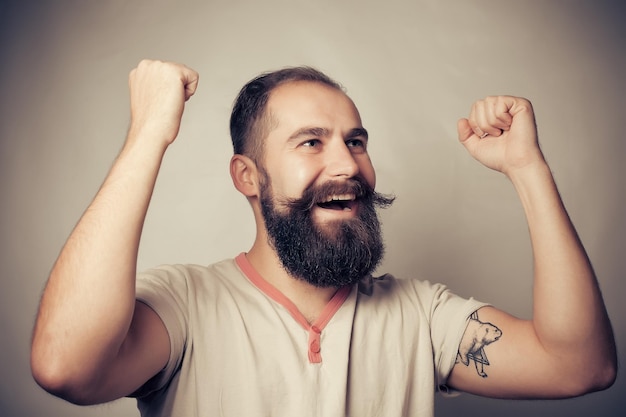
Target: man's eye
point(355, 143)
point(311, 143)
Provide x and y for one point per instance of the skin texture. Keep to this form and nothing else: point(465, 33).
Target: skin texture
point(93, 342)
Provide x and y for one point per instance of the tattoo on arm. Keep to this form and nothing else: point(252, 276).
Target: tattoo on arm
point(472, 348)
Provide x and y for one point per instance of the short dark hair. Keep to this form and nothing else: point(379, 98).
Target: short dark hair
point(249, 121)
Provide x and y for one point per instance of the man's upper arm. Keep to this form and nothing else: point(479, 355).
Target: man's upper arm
point(500, 356)
point(143, 354)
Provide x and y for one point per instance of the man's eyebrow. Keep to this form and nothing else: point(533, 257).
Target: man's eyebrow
point(358, 131)
point(321, 132)
point(310, 131)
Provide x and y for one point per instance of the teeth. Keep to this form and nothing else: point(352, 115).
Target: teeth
point(340, 197)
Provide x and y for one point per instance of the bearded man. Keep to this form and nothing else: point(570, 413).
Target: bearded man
point(297, 325)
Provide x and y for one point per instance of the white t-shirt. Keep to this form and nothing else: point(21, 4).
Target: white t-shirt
point(241, 348)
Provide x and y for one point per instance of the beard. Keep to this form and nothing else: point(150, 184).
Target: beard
point(332, 254)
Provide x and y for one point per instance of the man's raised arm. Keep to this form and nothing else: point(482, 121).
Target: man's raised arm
point(567, 348)
point(92, 341)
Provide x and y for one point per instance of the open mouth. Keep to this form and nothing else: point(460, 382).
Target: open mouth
point(339, 202)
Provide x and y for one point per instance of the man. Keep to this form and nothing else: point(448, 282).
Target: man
point(297, 325)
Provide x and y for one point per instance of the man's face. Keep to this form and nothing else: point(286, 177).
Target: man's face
point(317, 183)
point(317, 138)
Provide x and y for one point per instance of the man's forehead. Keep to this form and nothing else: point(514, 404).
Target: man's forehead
point(298, 101)
point(302, 89)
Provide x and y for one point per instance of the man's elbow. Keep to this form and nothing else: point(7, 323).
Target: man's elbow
point(606, 369)
point(606, 376)
point(57, 379)
point(599, 378)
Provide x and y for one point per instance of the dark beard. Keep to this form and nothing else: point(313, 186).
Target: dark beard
point(335, 254)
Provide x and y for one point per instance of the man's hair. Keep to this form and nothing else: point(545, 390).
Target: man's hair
point(249, 120)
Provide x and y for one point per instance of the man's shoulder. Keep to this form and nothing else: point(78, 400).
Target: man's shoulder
point(394, 292)
point(371, 285)
point(191, 274)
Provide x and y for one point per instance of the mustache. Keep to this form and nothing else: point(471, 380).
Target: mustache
point(362, 191)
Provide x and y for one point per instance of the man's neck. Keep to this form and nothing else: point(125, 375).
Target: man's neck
point(309, 299)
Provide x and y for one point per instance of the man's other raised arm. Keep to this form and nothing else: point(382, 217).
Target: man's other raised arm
point(92, 341)
point(567, 348)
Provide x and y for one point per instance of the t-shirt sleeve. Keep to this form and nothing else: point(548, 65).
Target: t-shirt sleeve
point(165, 290)
point(449, 315)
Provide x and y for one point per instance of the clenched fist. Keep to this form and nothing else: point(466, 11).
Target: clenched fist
point(158, 92)
point(500, 132)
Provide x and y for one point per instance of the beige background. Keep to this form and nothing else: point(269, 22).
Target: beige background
point(412, 66)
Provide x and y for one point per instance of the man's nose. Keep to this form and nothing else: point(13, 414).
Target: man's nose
point(341, 161)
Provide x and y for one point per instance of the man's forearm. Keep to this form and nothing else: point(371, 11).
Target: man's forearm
point(569, 314)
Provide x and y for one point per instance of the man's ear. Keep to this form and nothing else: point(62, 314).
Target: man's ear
point(245, 175)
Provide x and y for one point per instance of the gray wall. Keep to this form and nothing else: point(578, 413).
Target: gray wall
point(412, 66)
